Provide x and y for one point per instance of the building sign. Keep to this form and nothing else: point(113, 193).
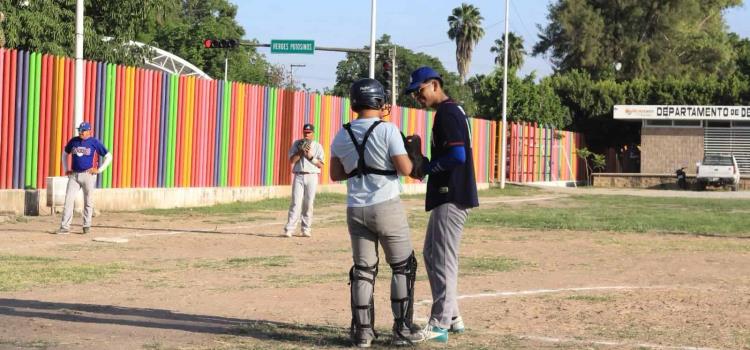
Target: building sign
point(680, 112)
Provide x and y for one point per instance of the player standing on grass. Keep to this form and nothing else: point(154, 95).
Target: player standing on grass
point(451, 192)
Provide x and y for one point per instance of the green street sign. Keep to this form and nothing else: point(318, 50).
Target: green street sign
point(293, 46)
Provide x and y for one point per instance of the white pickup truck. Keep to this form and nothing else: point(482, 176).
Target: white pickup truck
point(718, 170)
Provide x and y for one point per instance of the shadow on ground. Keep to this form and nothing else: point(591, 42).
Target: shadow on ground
point(304, 334)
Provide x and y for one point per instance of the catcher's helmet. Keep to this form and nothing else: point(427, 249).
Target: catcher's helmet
point(367, 93)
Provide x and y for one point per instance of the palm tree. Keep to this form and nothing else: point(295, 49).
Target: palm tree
point(516, 51)
point(466, 29)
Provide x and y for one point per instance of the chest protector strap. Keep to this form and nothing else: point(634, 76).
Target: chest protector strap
point(362, 168)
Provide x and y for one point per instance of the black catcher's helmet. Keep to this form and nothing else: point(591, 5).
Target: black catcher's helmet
point(367, 93)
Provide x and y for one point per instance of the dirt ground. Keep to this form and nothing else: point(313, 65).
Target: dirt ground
point(232, 282)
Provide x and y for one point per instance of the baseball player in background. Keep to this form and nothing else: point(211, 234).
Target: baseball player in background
point(306, 156)
point(369, 154)
point(451, 192)
point(82, 176)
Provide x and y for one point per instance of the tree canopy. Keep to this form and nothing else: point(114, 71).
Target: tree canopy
point(648, 38)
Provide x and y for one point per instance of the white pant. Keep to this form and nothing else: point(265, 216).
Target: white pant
point(77, 181)
point(303, 196)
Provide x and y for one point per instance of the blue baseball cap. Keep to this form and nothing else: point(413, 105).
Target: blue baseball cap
point(419, 76)
point(308, 128)
point(85, 126)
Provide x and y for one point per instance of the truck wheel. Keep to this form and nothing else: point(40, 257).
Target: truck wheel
point(701, 186)
point(735, 187)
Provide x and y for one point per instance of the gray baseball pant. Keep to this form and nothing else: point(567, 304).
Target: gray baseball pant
point(440, 253)
point(385, 223)
point(77, 181)
point(303, 198)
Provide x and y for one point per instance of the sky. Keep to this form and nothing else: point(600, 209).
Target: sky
point(420, 25)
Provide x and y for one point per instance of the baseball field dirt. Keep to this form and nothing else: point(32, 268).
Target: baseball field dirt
point(225, 278)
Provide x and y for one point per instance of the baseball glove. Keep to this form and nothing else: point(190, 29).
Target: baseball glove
point(304, 145)
point(413, 145)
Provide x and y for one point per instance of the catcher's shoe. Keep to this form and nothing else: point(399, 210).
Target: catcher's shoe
point(407, 336)
point(457, 325)
point(362, 338)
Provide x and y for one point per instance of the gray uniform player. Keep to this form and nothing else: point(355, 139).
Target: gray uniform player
point(369, 154)
point(307, 157)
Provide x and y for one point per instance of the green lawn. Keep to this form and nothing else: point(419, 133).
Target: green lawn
point(23, 272)
point(721, 217)
point(321, 200)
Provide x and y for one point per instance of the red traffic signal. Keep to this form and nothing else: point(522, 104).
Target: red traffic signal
point(220, 43)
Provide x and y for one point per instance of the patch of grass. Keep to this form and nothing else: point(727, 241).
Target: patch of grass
point(623, 214)
point(510, 191)
point(295, 280)
point(24, 272)
point(236, 263)
point(33, 344)
point(489, 264)
point(154, 345)
point(274, 204)
point(591, 298)
point(276, 335)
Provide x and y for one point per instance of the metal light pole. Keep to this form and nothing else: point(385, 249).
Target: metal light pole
point(503, 141)
point(226, 64)
point(373, 16)
point(78, 106)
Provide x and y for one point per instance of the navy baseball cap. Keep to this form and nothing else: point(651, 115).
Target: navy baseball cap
point(85, 126)
point(419, 76)
point(308, 128)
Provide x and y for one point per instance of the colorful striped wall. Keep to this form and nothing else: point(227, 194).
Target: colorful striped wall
point(173, 131)
point(538, 154)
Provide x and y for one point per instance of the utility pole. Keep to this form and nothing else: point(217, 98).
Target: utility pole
point(394, 87)
point(78, 105)
point(503, 141)
point(291, 73)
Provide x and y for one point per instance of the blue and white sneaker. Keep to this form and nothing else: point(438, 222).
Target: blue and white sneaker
point(435, 333)
point(457, 325)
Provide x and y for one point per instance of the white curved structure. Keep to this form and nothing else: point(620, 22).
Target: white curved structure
point(169, 62)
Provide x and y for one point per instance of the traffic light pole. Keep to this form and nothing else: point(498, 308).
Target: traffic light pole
point(226, 64)
point(394, 87)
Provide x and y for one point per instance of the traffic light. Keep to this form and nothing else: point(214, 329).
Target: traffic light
point(387, 77)
point(220, 43)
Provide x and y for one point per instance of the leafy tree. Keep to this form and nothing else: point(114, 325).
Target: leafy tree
point(516, 52)
point(177, 26)
point(649, 38)
point(527, 100)
point(356, 66)
point(48, 26)
point(593, 161)
point(742, 53)
point(187, 22)
point(466, 30)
